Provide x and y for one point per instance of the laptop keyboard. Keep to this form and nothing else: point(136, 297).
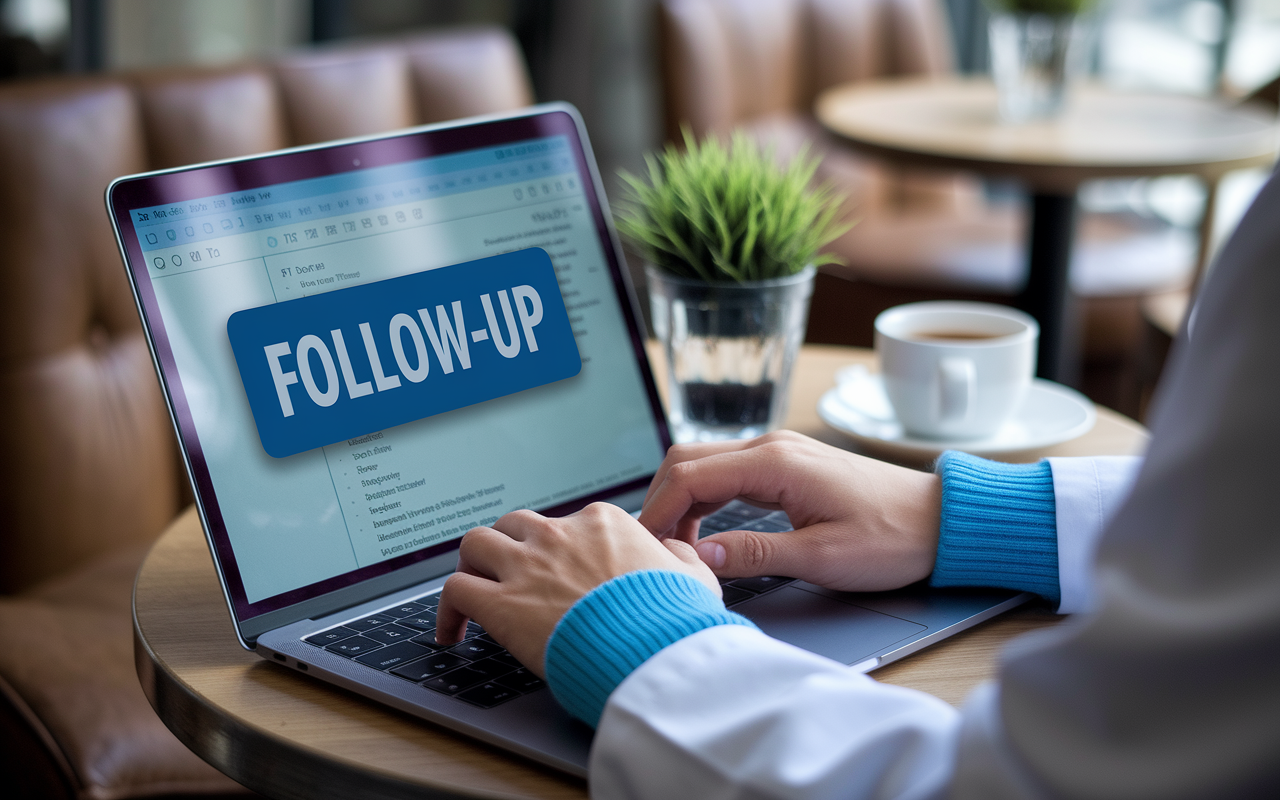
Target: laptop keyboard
point(402, 640)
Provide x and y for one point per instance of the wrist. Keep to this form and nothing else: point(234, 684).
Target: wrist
point(618, 626)
point(923, 525)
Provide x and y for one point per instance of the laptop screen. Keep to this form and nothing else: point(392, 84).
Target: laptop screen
point(292, 527)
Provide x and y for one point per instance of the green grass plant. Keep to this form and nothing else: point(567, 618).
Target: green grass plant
point(723, 214)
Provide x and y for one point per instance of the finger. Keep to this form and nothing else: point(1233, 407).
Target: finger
point(519, 525)
point(487, 553)
point(695, 488)
point(690, 557)
point(688, 528)
point(463, 596)
point(746, 554)
point(680, 453)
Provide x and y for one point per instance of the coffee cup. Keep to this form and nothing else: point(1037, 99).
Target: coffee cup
point(955, 370)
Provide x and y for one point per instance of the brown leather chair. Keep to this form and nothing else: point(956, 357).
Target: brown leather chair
point(759, 64)
point(91, 472)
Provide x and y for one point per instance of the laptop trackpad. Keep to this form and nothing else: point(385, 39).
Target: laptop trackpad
point(824, 625)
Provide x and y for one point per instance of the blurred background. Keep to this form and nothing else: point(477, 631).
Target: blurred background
point(600, 55)
point(603, 56)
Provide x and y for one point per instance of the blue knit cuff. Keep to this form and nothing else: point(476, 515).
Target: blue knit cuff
point(999, 526)
point(618, 626)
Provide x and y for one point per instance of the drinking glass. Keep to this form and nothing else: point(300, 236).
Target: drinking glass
point(730, 348)
point(1032, 59)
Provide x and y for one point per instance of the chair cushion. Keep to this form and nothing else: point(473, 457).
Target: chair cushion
point(869, 186)
point(193, 115)
point(727, 61)
point(948, 252)
point(467, 72)
point(1114, 256)
point(858, 40)
point(67, 661)
point(340, 92)
point(863, 181)
point(91, 459)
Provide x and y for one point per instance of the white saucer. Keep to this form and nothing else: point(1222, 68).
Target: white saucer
point(1050, 414)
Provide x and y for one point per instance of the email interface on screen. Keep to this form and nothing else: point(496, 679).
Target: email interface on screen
point(304, 518)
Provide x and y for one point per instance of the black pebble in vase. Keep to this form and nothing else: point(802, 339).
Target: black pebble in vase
point(716, 404)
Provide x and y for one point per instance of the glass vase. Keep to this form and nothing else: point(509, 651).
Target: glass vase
point(729, 348)
point(1032, 60)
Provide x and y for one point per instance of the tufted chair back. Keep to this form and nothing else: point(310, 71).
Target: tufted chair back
point(758, 65)
point(728, 62)
point(89, 460)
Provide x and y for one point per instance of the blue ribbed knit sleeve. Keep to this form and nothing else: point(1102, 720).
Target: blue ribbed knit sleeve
point(999, 526)
point(618, 626)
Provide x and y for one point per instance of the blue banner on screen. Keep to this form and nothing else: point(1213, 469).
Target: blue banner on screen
point(349, 362)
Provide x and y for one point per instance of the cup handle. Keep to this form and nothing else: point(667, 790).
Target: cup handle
point(957, 382)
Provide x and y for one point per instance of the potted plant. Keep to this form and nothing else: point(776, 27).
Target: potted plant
point(732, 240)
point(1032, 54)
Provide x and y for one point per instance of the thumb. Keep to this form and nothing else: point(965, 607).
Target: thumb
point(746, 554)
point(696, 567)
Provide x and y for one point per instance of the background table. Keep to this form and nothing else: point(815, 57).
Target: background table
point(287, 736)
point(953, 124)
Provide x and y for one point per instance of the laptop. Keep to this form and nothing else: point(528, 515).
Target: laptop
point(369, 347)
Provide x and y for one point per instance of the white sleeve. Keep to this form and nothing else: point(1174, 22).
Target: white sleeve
point(731, 713)
point(1086, 494)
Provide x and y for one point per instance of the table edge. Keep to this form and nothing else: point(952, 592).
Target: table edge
point(1047, 175)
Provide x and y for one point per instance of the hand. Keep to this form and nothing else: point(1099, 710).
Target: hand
point(861, 524)
point(518, 578)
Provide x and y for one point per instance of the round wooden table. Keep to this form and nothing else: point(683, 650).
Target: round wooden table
point(954, 124)
point(288, 736)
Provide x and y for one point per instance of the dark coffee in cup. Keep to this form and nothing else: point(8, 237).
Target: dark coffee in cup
point(951, 336)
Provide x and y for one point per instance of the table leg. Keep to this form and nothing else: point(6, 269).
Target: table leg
point(1047, 295)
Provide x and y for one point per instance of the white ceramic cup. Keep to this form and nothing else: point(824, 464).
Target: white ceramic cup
point(955, 370)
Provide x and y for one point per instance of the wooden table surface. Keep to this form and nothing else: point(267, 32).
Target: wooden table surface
point(287, 736)
point(953, 123)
